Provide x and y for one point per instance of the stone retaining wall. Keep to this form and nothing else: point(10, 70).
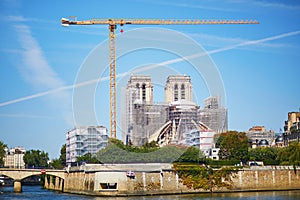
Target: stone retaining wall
point(113, 182)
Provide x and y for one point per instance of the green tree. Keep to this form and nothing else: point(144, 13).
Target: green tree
point(233, 146)
point(290, 155)
point(195, 176)
point(269, 155)
point(294, 156)
point(192, 155)
point(61, 161)
point(36, 159)
point(2, 152)
point(56, 164)
point(117, 152)
point(88, 158)
point(62, 156)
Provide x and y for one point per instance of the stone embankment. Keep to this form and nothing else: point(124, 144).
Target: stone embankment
point(150, 179)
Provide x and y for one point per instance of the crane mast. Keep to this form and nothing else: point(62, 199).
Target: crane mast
point(112, 25)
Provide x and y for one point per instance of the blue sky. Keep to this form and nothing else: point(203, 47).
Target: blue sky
point(40, 60)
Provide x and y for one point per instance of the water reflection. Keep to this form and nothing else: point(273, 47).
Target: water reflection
point(37, 193)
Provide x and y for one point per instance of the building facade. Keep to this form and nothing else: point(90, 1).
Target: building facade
point(184, 116)
point(176, 121)
point(214, 115)
point(139, 91)
point(14, 157)
point(83, 140)
point(178, 87)
point(146, 119)
point(292, 128)
point(260, 137)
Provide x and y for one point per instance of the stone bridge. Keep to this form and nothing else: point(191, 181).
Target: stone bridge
point(19, 174)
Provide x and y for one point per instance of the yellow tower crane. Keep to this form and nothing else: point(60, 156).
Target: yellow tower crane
point(112, 24)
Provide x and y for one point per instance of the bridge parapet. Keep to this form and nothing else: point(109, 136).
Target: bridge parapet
point(19, 174)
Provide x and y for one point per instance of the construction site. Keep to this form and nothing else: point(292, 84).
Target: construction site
point(174, 121)
point(169, 122)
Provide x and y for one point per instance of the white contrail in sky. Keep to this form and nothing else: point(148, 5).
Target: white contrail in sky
point(176, 60)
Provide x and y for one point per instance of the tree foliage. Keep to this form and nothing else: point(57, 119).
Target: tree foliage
point(204, 177)
point(2, 152)
point(290, 154)
point(266, 154)
point(192, 155)
point(87, 158)
point(62, 157)
point(233, 145)
point(117, 152)
point(36, 159)
point(60, 163)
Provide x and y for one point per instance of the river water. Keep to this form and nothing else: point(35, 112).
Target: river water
point(37, 193)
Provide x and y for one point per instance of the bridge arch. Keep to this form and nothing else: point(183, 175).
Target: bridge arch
point(20, 174)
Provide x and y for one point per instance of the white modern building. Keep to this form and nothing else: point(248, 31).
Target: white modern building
point(204, 140)
point(83, 140)
point(14, 157)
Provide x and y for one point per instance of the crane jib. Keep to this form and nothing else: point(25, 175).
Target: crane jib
point(112, 45)
point(65, 21)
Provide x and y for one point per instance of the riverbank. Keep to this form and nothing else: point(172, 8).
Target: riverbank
point(161, 179)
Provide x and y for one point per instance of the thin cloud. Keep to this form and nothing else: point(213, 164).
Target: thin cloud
point(24, 116)
point(217, 41)
point(176, 60)
point(35, 68)
point(267, 4)
point(22, 19)
point(16, 18)
point(190, 5)
point(276, 5)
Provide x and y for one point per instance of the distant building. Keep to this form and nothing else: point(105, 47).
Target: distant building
point(14, 157)
point(207, 140)
point(279, 142)
point(139, 91)
point(214, 115)
point(260, 137)
point(83, 140)
point(192, 138)
point(292, 128)
point(293, 122)
point(214, 154)
point(178, 87)
point(146, 119)
point(177, 121)
point(203, 140)
point(184, 116)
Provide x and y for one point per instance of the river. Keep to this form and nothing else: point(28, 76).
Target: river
point(37, 193)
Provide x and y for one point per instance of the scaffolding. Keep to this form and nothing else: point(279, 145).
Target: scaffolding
point(214, 115)
point(147, 118)
point(184, 115)
point(139, 95)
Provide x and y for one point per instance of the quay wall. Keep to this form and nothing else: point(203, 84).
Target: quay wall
point(151, 179)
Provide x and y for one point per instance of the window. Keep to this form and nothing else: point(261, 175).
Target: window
point(182, 91)
point(175, 92)
point(144, 92)
point(138, 91)
point(108, 186)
